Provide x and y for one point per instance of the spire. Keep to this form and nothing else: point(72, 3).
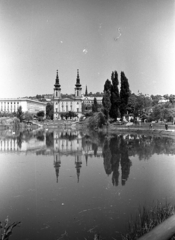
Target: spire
point(57, 84)
point(57, 165)
point(57, 78)
point(86, 157)
point(78, 79)
point(78, 164)
point(86, 91)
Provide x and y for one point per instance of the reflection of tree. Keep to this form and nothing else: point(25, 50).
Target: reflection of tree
point(95, 148)
point(49, 139)
point(125, 161)
point(115, 159)
point(40, 137)
point(107, 157)
point(19, 140)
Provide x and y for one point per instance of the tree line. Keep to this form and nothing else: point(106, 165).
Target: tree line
point(115, 102)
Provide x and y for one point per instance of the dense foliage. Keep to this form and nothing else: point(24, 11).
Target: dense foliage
point(49, 111)
point(124, 94)
point(19, 113)
point(115, 97)
point(95, 105)
point(106, 103)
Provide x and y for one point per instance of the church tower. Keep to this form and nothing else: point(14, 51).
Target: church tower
point(57, 88)
point(78, 87)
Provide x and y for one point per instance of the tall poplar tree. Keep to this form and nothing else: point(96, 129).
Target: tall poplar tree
point(115, 97)
point(106, 101)
point(95, 106)
point(124, 94)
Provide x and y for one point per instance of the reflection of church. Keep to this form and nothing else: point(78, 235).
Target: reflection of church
point(9, 145)
point(72, 143)
point(67, 143)
point(16, 145)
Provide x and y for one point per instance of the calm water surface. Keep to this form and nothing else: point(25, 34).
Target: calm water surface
point(68, 185)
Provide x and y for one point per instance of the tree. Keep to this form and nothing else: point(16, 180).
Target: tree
point(132, 105)
point(107, 103)
point(124, 94)
point(115, 97)
point(20, 113)
point(40, 114)
point(72, 114)
point(155, 99)
point(95, 106)
point(172, 98)
point(107, 85)
point(27, 116)
point(49, 111)
point(143, 104)
point(163, 111)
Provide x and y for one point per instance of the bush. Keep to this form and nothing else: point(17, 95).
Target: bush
point(97, 121)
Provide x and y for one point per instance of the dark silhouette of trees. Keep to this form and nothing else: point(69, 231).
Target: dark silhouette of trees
point(19, 113)
point(107, 157)
point(124, 94)
point(125, 161)
point(40, 114)
point(115, 159)
point(115, 97)
point(95, 106)
point(106, 101)
point(49, 111)
point(107, 85)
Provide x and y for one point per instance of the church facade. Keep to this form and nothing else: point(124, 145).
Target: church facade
point(63, 104)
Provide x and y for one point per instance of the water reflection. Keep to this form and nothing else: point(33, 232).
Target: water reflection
point(72, 181)
point(115, 150)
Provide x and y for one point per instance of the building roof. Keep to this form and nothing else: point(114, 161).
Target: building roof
point(22, 100)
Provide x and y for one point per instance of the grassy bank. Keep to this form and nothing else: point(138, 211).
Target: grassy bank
point(143, 128)
point(148, 219)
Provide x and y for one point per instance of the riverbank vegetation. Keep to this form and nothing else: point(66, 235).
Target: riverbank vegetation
point(6, 229)
point(148, 219)
point(124, 105)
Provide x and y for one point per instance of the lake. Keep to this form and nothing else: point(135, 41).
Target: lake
point(71, 185)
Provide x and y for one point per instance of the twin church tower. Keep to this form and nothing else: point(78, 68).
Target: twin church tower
point(66, 103)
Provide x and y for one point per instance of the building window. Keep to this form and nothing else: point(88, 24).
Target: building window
point(77, 109)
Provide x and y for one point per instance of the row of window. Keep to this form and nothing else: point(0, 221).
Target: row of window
point(67, 103)
point(9, 102)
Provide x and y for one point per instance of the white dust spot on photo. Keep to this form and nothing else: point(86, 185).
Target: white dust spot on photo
point(85, 51)
point(100, 29)
point(118, 35)
point(61, 41)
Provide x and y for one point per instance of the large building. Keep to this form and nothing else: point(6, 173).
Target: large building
point(65, 103)
point(10, 105)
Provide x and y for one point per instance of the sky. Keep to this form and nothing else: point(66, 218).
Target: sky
point(37, 37)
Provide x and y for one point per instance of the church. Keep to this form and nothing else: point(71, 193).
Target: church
point(64, 103)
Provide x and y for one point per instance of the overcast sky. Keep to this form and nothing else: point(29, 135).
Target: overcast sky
point(37, 37)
